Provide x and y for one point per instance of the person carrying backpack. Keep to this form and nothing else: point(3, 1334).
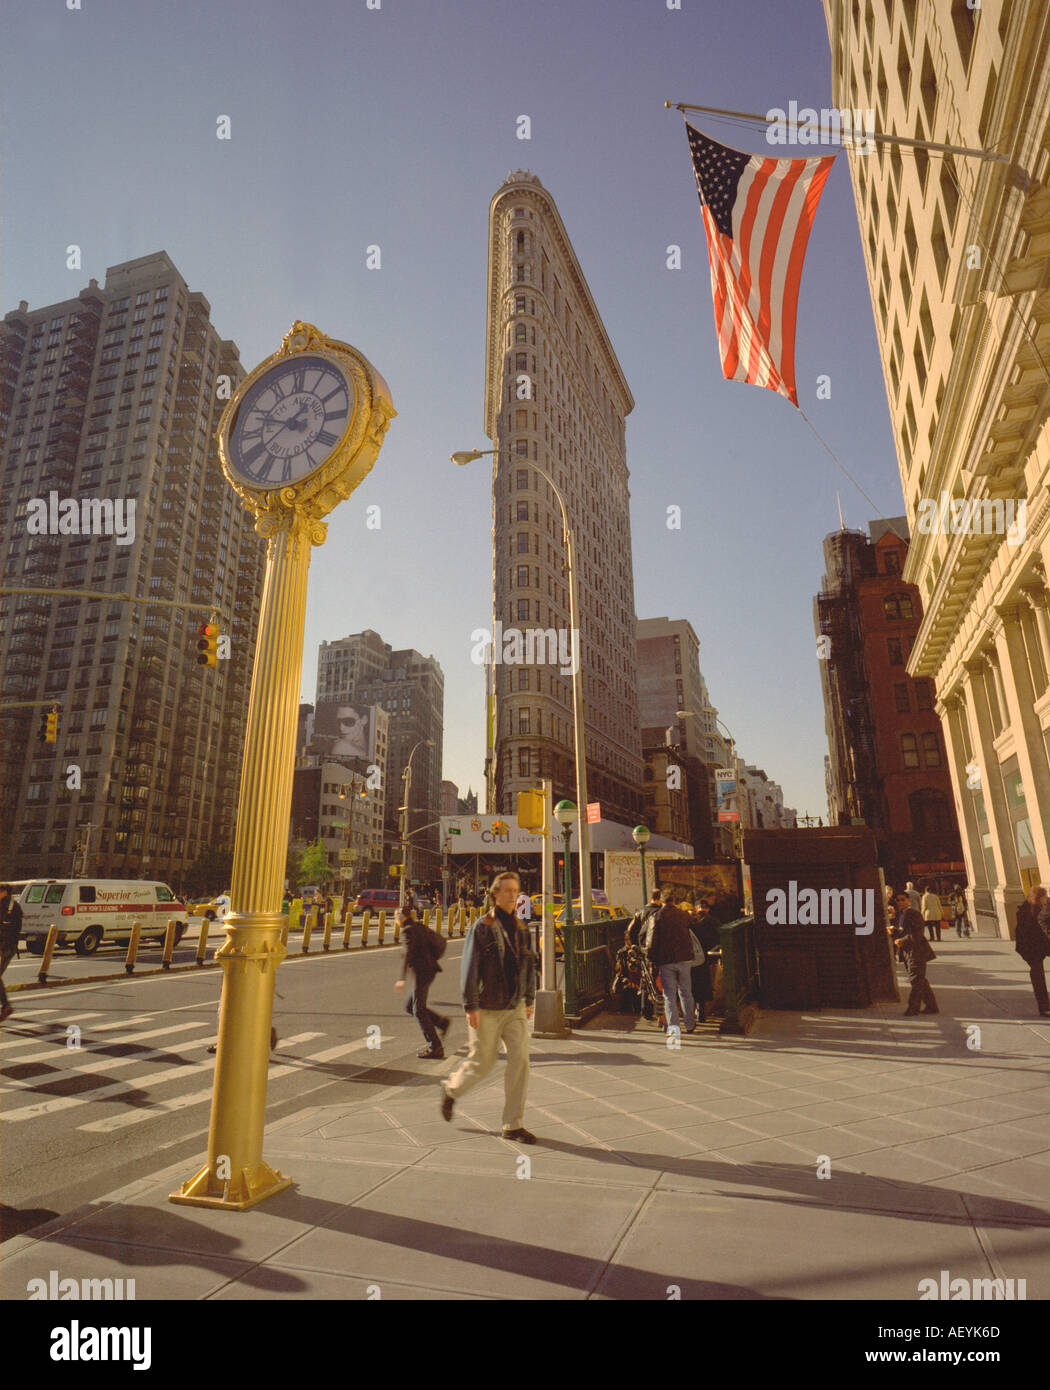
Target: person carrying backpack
point(916, 952)
point(423, 948)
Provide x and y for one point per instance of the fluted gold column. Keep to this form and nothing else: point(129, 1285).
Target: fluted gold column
point(235, 1175)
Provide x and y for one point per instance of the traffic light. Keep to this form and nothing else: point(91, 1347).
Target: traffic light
point(530, 811)
point(207, 645)
point(48, 731)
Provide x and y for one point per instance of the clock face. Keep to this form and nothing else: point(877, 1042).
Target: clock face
point(289, 422)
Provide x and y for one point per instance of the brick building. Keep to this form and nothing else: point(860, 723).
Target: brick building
point(888, 767)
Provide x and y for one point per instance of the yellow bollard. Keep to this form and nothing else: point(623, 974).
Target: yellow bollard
point(133, 948)
point(202, 941)
point(308, 927)
point(347, 928)
point(381, 934)
point(397, 928)
point(437, 921)
point(426, 916)
point(328, 931)
point(49, 951)
point(365, 920)
point(169, 944)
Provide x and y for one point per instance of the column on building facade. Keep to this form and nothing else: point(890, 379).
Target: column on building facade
point(991, 656)
point(953, 724)
point(1037, 627)
point(982, 738)
point(1028, 743)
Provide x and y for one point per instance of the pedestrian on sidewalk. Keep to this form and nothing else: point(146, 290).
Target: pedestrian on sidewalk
point(912, 893)
point(498, 977)
point(671, 949)
point(931, 913)
point(1033, 944)
point(422, 947)
point(639, 934)
point(916, 952)
point(10, 931)
point(958, 906)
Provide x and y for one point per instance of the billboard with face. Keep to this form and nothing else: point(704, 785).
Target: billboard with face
point(344, 731)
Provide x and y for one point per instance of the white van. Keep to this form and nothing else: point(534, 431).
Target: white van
point(90, 911)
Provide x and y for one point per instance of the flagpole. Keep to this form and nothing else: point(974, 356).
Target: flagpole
point(875, 135)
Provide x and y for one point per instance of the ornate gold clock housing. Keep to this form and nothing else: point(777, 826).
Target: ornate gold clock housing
point(304, 428)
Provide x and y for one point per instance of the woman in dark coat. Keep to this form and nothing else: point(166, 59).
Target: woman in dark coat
point(1033, 946)
point(420, 960)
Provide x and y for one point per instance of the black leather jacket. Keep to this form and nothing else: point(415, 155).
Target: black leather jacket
point(482, 975)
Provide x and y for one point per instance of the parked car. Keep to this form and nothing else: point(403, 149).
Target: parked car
point(210, 908)
point(377, 900)
point(90, 911)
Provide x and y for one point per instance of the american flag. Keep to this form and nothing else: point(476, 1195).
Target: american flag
point(757, 213)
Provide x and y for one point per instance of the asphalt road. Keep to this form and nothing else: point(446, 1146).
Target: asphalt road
point(77, 1122)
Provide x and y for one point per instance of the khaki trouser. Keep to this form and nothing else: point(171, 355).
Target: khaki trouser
point(493, 1024)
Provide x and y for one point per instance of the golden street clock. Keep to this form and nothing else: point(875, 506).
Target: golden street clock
point(290, 421)
point(305, 426)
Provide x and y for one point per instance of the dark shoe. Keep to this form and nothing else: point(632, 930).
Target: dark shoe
point(273, 1038)
point(1043, 1013)
point(519, 1136)
point(447, 1104)
point(430, 1053)
point(6, 1012)
point(930, 1011)
point(691, 1030)
point(214, 1048)
point(444, 1025)
point(910, 1013)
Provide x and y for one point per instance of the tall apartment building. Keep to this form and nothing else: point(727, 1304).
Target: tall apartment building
point(956, 255)
point(669, 681)
point(556, 399)
point(114, 395)
point(888, 763)
point(362, 669)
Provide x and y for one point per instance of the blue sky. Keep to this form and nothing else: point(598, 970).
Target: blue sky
point(394, 127)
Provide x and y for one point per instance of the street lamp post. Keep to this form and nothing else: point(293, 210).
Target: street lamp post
point(579, 739)
point(640, 836)
point(566, 814)
point(405, 812)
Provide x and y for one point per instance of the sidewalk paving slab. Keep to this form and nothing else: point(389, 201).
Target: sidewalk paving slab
point(698, 1168)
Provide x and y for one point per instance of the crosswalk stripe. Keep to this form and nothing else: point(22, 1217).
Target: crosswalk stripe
point(25, 1039)
point(133, 1117)
point(138, 1083)
point(84, 1051)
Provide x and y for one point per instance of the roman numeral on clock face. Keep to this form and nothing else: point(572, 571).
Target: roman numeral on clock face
point(326, 437)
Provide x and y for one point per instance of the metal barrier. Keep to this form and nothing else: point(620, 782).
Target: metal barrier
point(169, 943)
point(739, 974)
point(590, 961)
point(133, 948)
point(49, 951)
point(202, 939)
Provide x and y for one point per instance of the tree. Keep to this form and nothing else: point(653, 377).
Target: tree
point(212, 869)
point(313, 865)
